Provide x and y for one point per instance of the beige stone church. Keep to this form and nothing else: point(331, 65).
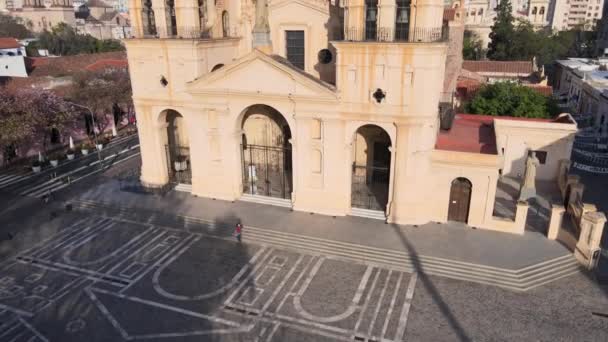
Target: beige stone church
point(324, 106)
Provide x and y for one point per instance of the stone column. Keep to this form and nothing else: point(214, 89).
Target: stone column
point(399, 207)
point(188, 21)
point(152, 139)
point(386, 19)
point(592, 227)
point(556, 221)
point(354, 20)
point(160, 17)
point(261, 30)
point(136, 18)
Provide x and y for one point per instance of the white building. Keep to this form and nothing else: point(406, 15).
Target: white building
point(557, 14)
point(572, 13)
point(12, 58)
point(581, 85)
point(480, 14)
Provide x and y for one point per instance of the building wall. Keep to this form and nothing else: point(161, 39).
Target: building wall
point(39, 19)
point(515, 138)
point(12, 66)
point(394, 85)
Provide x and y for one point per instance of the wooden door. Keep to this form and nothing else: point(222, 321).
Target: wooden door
point(460, 200)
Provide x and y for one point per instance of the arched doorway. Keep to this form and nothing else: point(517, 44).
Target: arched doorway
point(177, 149)
point(371, 163)
point(460, 200)
point(266, 153)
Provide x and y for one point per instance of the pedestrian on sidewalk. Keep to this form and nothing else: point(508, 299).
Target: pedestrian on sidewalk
point(237, 231)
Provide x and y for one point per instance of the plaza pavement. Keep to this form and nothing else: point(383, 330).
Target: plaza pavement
point(126, 273)
point(453, 241)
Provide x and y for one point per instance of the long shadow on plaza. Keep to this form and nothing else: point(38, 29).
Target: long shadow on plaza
point(99, 313)
point(430, 287)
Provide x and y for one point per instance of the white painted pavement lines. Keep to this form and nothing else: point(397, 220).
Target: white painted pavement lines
point(233, 327)
point(409, 295)
point(63, 185)
point(9, 179)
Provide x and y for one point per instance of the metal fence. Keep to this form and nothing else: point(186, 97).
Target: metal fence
point(267, 171)
point(370, 187)
point(406, 35)
point(178, 164)
point(185, 32)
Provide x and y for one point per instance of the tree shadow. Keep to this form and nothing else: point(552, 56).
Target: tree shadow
point(430, 287)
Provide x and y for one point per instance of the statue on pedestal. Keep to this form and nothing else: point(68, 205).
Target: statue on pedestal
point(528, 186)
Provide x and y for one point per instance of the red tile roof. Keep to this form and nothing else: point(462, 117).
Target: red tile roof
point(107, 63)
point(68, 65)
point(469, 133)
point(505, 67)
point(475, 133)
point(9, 43)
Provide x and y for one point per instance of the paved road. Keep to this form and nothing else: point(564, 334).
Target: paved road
point(53, 179)
point(88, 277)
point(82, 276)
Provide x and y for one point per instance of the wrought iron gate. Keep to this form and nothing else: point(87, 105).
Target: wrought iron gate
point(370, 187)
point(267, 171)
point(178, 164)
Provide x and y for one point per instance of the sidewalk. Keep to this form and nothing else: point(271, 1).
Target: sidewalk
point(450, 241)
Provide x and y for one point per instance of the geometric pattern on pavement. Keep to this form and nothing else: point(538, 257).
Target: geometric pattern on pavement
point(104, 279)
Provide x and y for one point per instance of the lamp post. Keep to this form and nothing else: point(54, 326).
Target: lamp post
point(94, 129)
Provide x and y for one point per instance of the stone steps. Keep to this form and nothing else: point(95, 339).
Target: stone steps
point(522, 279)
point(279, 202)
point(367, 213)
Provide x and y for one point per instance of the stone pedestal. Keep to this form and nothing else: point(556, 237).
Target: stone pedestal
point(592, 227)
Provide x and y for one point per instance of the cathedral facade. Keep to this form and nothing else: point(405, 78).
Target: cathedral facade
point(322, 106)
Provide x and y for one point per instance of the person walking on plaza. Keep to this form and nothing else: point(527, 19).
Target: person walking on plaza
point(237, 231)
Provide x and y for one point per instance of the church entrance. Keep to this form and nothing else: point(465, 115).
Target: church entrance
point(460, 200)
point(266, 153)
point(370, 168)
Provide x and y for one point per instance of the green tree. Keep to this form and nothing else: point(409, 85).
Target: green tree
point(13, 27)
point(502, 34)
point(472, 47)
point(63, 40)
point(103, 91)
point(511, 99)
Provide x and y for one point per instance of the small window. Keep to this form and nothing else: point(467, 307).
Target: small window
point(542, 156)
point(295, 48)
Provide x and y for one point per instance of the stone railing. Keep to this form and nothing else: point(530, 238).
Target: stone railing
point(183, 32)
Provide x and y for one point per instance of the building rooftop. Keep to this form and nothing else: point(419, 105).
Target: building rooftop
point(67, 65)
point(469, 133)
point(503, 67)
point(475, 133)
point(9, 43)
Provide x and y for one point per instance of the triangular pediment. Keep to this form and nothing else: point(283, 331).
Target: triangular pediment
point(319, 6)
point(260, 74)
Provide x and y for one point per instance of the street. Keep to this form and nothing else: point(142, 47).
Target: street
point(120, 273)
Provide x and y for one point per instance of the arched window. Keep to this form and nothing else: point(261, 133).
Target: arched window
point(542, 11)
point(171, 19)
point(371, 19)
point(534, 10)
point(480, 12)
point(149, 23)
point(225, 24)
point(402, 22)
